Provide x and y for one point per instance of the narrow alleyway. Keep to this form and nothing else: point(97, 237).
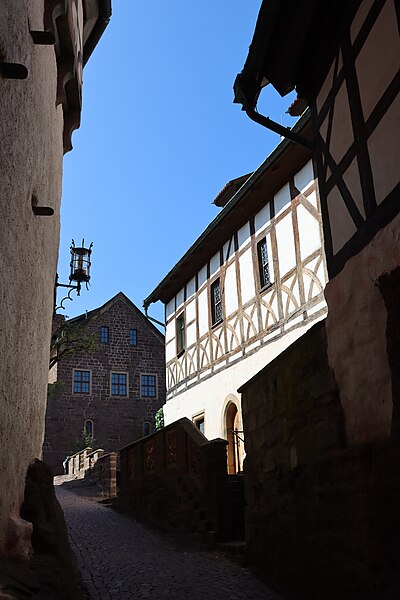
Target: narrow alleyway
point(121, 559)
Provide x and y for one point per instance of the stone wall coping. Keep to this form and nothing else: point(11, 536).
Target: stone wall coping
point(185, 424)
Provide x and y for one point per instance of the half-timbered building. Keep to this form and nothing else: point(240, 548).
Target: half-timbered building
point(343, 59)
point(249, 286)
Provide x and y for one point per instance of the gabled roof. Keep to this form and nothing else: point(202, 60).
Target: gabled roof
point(251, 197)
point(96, 312)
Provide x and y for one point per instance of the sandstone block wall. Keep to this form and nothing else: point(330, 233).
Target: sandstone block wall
point(117, 420)
point(31, 153)
point(321, 518)
point(177, 479)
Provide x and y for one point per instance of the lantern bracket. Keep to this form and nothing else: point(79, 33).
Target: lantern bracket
point(79, 273)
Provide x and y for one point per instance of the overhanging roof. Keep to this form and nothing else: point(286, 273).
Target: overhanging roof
point(272, 174)
point(292, 45)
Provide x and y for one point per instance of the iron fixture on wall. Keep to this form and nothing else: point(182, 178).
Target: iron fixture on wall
point(79, 272)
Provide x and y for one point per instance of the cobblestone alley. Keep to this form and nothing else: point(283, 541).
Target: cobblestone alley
point(121, 559)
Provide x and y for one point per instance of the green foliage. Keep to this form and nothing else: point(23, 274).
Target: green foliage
point(55, 389)
point(86, 441)
point(69, 338)
point(159, 418)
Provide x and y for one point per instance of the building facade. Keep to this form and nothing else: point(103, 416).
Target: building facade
point(43, 47)
point(333, 531)
point(112, 392)
point(248, 287)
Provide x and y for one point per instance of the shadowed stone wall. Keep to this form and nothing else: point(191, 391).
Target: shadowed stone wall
point(31, 152)
point(322, 519)
point(177, 480)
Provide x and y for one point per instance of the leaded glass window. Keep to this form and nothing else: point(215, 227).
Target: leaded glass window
point(216, 302)
point(118, 384)
point(81, 382)
point(148, 386)
point(180, 334)
point(263, 264)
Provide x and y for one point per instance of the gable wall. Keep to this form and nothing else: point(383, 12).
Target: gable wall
point(117, 420)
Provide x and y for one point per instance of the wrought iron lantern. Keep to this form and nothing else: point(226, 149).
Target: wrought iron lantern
point(80, 264)
point(79, 272)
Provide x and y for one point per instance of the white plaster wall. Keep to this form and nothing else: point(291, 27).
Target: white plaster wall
point(180, 297)
point(309, 233)
point(262, 218)
point(190, 334)
point(285, 241)
point(191, 288)
point(246, 276)
point(190, 311)
point(305, 177)
point(170, 308)
point(230, 290)
point(282, 199)
point(214, 264)
point(30, 163)
point(210, 395)
point(243, 235)
point(203, 312)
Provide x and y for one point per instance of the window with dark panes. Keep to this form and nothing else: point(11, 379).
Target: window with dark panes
point(148, 386)
point(146, 428)
point(263, 264)
point(118, 384)
point(133, 337)
point(104, 335)
point(216, 302)
point(180, 334)
point(88, 427)
point(81, 382)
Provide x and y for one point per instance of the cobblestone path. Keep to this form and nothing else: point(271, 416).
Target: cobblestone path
point(121, 559)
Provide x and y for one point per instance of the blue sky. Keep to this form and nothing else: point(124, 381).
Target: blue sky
point(159, 138)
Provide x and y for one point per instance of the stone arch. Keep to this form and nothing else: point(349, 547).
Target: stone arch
point(232, 428)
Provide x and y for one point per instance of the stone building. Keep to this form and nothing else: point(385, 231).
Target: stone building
point(324, 509)
point(43, 47)
point(113, 392)
point(250, 285)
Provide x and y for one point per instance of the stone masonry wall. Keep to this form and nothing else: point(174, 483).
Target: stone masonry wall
point(322, 519)
point(117, 420)
point(31, 154)
point(177, 480)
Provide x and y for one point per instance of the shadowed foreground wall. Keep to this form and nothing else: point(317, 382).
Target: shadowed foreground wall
point(322, 519)
point(31, 152)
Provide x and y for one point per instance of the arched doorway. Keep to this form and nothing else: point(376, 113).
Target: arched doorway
point(234, 435)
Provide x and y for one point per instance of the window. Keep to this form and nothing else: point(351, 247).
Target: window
point(88, 427)
point(216, 302)
point(263, 265)
point(119, 384)
point(199, 422)
point(133, 337)
point(146, 428)
point(148, 386)
point(104, 335)
point(180, 334)
point(81, 382)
